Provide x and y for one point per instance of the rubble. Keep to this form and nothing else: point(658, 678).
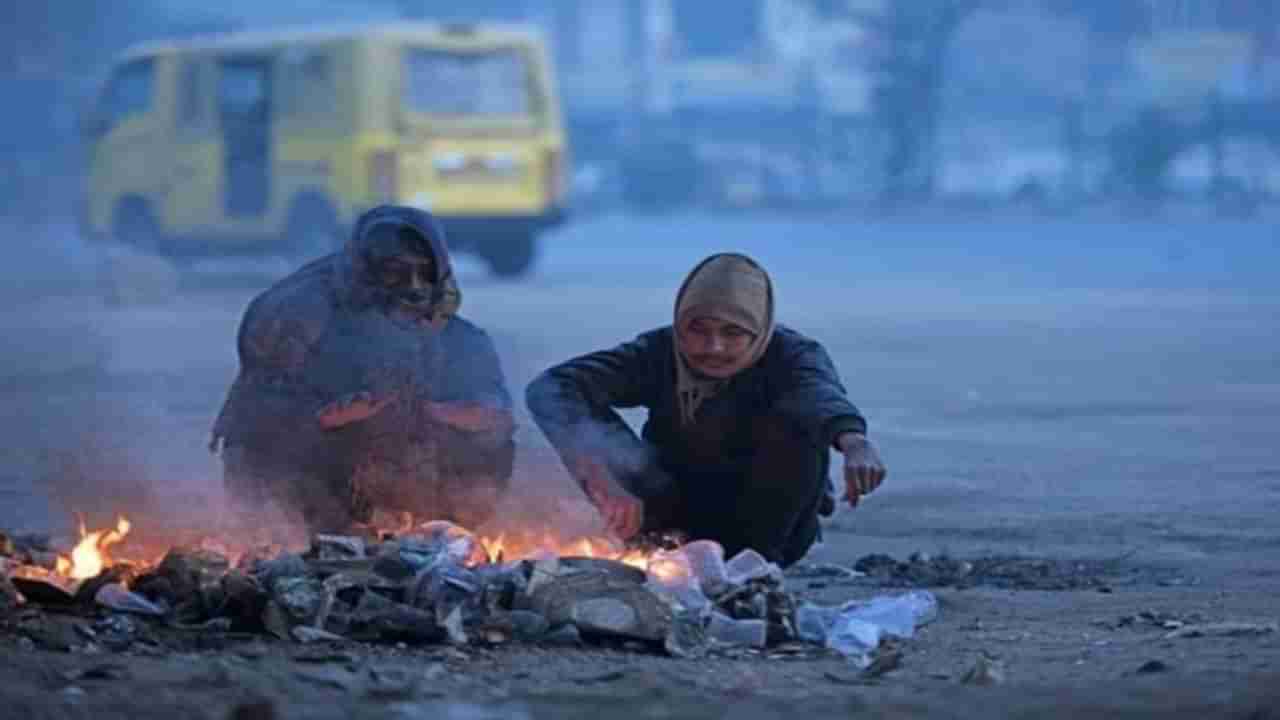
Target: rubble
point(47, 590)
point(1009, 572)
point(597, 603)
point(1223, 629)
point(437, 584)
point(749, 633)
point(337, 547)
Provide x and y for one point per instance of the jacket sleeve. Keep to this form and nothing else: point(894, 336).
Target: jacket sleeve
point(271, 395)
point(574, 403)
point(473, 373)
point(809, 394)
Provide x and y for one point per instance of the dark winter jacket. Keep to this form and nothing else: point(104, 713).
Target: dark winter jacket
point(795, 381)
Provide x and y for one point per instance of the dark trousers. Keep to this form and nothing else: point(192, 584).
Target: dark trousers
point(768, 500)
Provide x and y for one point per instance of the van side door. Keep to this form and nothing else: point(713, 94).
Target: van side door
point(245, 116)
point(196, 198)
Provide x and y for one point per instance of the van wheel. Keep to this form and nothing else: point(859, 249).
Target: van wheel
point(510, 255)
point(135, 226)
point(312, 229)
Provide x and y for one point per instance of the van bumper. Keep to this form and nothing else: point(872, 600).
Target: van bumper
point(466, 230)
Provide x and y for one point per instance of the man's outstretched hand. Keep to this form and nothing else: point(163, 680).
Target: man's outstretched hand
point(863, 469)
point(472, 417)
point(623, 512)
point(351, 408)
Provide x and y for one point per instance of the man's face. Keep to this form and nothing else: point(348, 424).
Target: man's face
point(401, 265)
point(714, 347)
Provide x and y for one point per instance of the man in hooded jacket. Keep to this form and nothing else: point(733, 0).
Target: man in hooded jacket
point(360, 388)
point(742, 413)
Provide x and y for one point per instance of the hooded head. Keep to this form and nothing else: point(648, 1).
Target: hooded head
point(397, 260)
point(723, 325)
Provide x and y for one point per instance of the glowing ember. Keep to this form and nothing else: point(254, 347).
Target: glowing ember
point(89, 557)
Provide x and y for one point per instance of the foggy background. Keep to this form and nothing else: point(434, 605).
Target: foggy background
point(1037, 236)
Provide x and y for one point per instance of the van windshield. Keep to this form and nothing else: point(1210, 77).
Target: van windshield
point(493, 82)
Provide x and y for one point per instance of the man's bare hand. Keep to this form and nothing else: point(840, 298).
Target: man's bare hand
point(351, 409)
point(472, 417)
point(863, 469)
point(623, 512)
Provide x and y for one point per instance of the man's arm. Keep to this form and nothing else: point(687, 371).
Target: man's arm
point(270, 394)
point(810, 395)
point(574, 402)
point(473, 395)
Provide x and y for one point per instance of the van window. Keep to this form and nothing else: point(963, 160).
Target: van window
point(308, 87)
point(130, 91)
point(494, 82)
point(243, 87)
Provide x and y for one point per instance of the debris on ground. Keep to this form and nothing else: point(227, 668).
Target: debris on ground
point(857, 629)
point(434, 585)
point(1151, 667)
point(1011, 572)
point(1224, 629)
point(987, 670)
point(1156, 619)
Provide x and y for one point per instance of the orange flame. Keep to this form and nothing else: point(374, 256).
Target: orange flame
point(89, 557)
point(509, 547)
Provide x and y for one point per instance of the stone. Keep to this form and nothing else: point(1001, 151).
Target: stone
point(254, 710)
point(1152, 667)
point(392, 564)
point(687, 638)
point(308, 635)
point(443, 588)
point(454, 631)
point(728, 631)
point(244, 599)
point(286, 565)
point(299, 597)
point(565, 635)
point(116, 597)
point(598, 604)
point(986, 671)
point(396, 621)
point(50, 591)
point(337, 547)
point(612, 568)
point(182, 573)
point(528, 626)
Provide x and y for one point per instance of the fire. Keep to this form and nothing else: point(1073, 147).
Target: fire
point(509, 547)
point(89, 556)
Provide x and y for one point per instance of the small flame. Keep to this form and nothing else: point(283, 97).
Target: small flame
point(89, 557)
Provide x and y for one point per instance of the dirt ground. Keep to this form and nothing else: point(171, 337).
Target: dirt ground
point(1105, 455)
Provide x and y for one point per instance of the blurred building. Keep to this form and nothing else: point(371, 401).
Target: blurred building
point(767, 103)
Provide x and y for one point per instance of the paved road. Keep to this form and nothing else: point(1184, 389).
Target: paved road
point(1036, 384)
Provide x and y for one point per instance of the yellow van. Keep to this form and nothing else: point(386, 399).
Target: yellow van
point(255, 142)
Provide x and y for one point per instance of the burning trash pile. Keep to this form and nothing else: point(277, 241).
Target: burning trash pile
point(439, 583)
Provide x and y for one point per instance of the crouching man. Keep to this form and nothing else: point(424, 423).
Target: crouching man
point(741, 414)
point(360, 388)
